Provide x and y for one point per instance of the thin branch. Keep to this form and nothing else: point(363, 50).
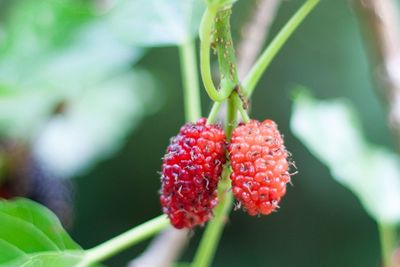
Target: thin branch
point(254, 34)
point(123, 241)
point(380, 22)
point(163, 250)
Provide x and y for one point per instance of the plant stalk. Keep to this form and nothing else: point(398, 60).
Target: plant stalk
point(214, 112)
point(209, 243)
point(206, 32)
point(190, 80)
point(387, 234)
point(124, 241)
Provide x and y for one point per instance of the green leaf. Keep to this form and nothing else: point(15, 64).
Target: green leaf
point(31, 235)
point(157, 22)
point(41, 218)
point(332, 132)
point(54, 259)
point(34, 28)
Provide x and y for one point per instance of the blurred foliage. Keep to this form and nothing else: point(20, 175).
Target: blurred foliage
point(332, 132)
point(64, 54)
point(157, 22)
point(59, 54)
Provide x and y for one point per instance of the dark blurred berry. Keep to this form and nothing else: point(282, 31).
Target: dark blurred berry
point(24, 177)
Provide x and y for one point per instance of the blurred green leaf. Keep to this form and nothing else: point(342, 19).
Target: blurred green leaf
point(30, 235)
point(93, 56)
point(331, 131)
point(23, 112)
point(74, 61)
point(95, 123)
point(32, 29)
point(157, 22)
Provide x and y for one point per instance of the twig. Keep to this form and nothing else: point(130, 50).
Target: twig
point(163, 250)
point(380, 22)
point(254, 34)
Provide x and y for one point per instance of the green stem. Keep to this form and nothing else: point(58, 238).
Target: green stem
point(208, 245)
point(231, 118)
point(387, 234)
point(268, 55)
point(206, 29)
point(214, 112)
point(239, 105)
point(190, 80)
point(226, 52)
point(213, 232)
point(124, 241)
point(205, 37)
point(229, 80)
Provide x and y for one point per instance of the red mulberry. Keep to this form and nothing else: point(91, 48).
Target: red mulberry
point(260, 167)
point(190, 174)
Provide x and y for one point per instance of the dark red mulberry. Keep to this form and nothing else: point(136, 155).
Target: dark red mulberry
point(191, 170)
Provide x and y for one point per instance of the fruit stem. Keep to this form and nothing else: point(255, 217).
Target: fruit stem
point(240, 106)
point(214, 112)
point(205, 37)
point(231, 121)
point(225, 50)
point(387, 234)
point(277, 43)
point(124, 241)
point(208, 244)
point(190, 80)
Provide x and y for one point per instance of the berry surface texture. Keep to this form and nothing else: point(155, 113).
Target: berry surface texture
point(260, 166)
point(191, 170)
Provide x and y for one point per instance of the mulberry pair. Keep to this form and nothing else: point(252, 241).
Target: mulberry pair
point(193, 165)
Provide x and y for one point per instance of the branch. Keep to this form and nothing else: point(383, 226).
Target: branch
point(380, 22)
point(254, 34)
point(163, 250)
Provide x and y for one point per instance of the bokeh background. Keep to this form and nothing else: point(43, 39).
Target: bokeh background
point(320, 223)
